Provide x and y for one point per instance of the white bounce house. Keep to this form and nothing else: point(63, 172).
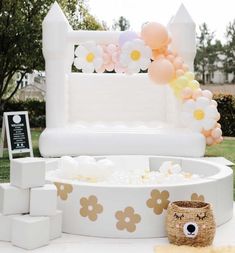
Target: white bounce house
point(112, 113)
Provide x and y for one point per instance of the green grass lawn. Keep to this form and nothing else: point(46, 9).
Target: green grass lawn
point(225, 149)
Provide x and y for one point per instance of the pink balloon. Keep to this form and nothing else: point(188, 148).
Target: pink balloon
point(187, 93)
point(216, 133)
point(161, 71)
point(197, 93)
point(155, 35)
point(127, 36)
point(207, 94)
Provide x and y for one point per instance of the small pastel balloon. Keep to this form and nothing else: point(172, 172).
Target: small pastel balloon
point(219, 140)
point(197, 93)
point(207, 94)
point(127, 36)
point(194, 84)
point(218, 125)
point(178, 63)
point(182, 81)
point(213, 102)
point(185, 67)
point(206, 133)
point(161, 71)
point(216, 133)
point(186, 93)
point(154, 35)
point(179, 72)
point(218, 117)
point(190, 76)
point(209, 141)
point(171, 57)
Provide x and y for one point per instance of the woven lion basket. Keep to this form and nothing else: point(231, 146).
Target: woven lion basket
point(190, 223)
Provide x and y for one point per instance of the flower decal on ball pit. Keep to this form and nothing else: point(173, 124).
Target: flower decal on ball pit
point(127, 219)
point(199, 114)
point(90, 207)
point(158, 201)
point(89, 57)
point(63, 190)
point(135, 55)
point(197, 197)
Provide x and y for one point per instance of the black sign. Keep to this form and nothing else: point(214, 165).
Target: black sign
point(18, 131)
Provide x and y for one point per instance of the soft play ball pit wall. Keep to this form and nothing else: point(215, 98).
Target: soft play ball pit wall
point(139, 211)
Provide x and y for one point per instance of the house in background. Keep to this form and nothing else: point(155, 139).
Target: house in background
point(32, 86)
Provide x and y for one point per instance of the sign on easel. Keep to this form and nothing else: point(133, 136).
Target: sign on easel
point(16, 127)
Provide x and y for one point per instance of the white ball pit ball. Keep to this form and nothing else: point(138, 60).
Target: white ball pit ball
point(131, 211)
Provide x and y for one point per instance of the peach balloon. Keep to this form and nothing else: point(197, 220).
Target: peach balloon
point(154, 35)
point(185, 67)
point(179, 72)
point(178, 63)
point(171, 57)
point(209, 141)
point(161, 71)
point(219, 140)
point(206, 133)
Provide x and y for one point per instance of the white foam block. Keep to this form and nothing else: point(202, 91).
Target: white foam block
point(13, 200)
point(5, 226)
point(56, 225)
point(43, 200)
point(30, 232)
point(27, 172)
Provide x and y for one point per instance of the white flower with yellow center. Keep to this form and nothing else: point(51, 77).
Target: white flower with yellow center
point(135, 55)
point(199, 114)
point(89, 57)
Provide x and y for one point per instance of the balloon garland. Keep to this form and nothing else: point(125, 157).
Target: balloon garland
point(150, 51)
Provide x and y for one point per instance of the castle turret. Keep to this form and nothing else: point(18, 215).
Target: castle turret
point(183, 33)
point(58, 54)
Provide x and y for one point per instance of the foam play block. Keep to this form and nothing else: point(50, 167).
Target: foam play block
point(13, 200)
point(43, 200)
point(56, 225)
point(30, 232)
point(27, 172)
point(5, 226)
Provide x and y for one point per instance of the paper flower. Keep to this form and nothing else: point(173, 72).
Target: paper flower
point(63, 190)
point(135, 55)
point(90, 207)
point(199, 114)
point(158, 201)
point(88, 57)
point(127, 219)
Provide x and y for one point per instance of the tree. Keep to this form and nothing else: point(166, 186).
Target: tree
point(229, 49)
point(122, 24)
point(20, 37)
point(207, 53)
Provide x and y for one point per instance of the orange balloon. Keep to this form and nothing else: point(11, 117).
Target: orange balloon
point(154, 35)
point(161, 71)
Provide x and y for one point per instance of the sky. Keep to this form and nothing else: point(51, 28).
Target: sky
point(216, 13)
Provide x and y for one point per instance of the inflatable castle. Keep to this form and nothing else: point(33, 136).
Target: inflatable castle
point(161, 112)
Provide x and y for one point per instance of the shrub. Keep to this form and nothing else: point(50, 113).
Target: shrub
point(226, 108)
point(35, 108)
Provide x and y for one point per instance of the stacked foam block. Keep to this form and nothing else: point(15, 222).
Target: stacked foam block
point(28, 207)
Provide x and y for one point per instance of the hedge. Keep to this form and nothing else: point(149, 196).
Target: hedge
point(36, 109)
